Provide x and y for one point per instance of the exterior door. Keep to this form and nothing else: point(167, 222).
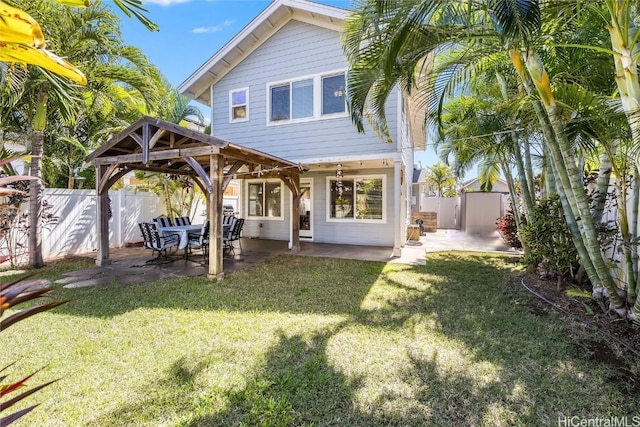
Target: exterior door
point(306, 209)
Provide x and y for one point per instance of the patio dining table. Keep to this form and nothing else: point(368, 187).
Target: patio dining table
point(183, 232)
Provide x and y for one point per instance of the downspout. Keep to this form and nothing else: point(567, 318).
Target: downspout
point(401, 220)
point(397, 238)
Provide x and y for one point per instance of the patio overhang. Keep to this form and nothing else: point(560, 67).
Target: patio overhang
point(155, 145)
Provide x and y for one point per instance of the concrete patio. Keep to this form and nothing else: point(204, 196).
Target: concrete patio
point(133, 265)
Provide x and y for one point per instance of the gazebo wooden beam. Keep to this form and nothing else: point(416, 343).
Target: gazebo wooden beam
point(229, 175)
point(199, 170)
point(158, 155)
point(150, 168)
point(104, 179)
point(292, 181)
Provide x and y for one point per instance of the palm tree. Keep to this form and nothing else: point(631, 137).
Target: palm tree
point(49, 103)
point(441, 177)
point(391, 43)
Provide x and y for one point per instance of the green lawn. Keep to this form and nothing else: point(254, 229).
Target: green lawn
point(314, 341)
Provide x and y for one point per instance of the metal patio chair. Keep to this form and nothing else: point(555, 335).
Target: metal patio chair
point(156, 241)
point(182, 220)
point(233, 235)
point(201, 239)
point(163, 221)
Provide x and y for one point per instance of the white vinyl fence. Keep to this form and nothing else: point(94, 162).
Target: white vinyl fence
point(75, 230)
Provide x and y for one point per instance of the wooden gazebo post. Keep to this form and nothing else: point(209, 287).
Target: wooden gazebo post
point(214, 208)
point(293, 183)
point(103, 216)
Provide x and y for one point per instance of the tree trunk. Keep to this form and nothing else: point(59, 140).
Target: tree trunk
point(585, 221)
point(602, 188)
point(635, 202)
point(529, 169)
point(565, 167)
point(35, 202)
point(549, 176)
point(527, 198)
point(35, 186)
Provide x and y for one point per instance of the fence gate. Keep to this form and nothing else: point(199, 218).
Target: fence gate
point(446, 208)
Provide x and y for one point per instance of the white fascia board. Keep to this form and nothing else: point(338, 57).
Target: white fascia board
point(353, 158)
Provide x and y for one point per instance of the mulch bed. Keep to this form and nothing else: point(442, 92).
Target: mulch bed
point(586, 310)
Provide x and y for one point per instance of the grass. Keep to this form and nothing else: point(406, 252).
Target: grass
point(317, 342)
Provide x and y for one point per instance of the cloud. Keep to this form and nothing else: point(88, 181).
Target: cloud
point(212, 29)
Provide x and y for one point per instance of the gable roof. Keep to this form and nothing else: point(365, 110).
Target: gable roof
point(155, 145)
point(268, 22)
point(260, 29)
point(473, 182)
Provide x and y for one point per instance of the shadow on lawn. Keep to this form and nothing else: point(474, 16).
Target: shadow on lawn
point(509, 367)
point(295, 387)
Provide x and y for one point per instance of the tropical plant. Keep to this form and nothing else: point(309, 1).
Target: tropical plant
point(11, 295)
point(441, 178)
point(391, 44)
point(508, 228)
point(70, 119)
point(22, 40)
point(549, 242)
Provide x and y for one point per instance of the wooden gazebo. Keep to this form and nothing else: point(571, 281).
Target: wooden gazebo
point(157, 146)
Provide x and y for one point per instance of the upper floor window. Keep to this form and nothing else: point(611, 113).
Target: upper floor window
point(292, 100)
point(308, 98)
point(239, 105)
point(333, 94)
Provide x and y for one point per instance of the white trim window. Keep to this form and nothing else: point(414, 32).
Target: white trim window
point(291, 101)
point(239, 105)
point(363, 199)
point(334, 94)
point(264, 199)
point(308, 98)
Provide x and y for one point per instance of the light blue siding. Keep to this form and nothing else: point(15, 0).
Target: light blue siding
point(324, 231)
point(296, 50)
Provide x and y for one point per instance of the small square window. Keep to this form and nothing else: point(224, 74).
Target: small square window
point(239, 105)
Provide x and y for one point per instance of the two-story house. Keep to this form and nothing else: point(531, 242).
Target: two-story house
point(278, 86)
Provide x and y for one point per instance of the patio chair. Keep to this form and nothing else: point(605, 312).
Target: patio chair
point(200, 239)
point(182, 220)
point(155, 241)
point(228, 220)
point(233, 235)
point(163, 221)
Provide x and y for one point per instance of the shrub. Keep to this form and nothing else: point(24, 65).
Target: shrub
point(506, 226)
point(549, 241)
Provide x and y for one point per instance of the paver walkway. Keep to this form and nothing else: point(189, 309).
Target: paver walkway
point(134, 265)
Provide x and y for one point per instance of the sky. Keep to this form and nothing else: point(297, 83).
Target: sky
point(191, 31)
